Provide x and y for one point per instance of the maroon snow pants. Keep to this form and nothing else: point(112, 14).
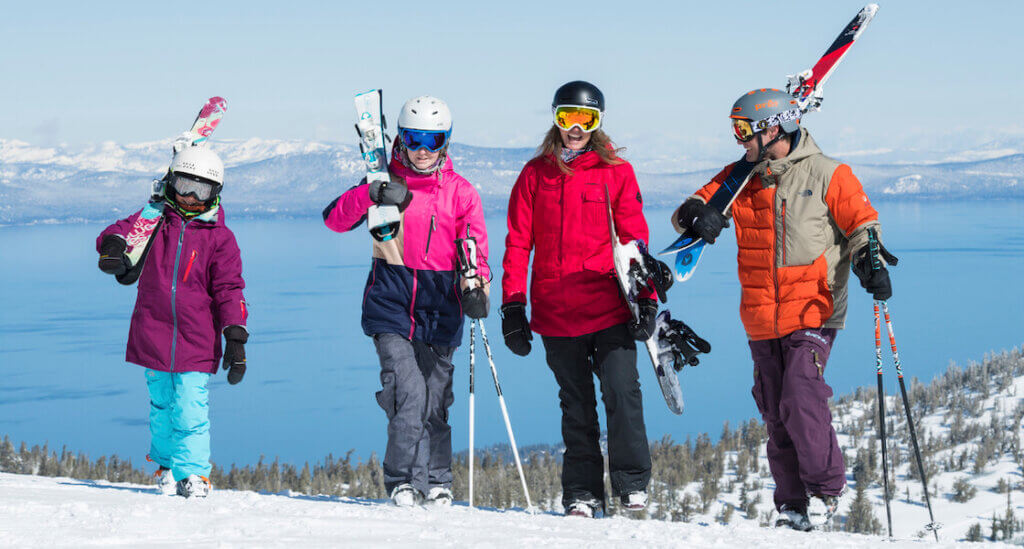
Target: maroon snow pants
point(792, 396)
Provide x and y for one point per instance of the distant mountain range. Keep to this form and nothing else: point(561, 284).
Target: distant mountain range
point(276, 177)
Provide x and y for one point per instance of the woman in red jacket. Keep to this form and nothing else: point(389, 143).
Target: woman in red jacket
point(559, 210)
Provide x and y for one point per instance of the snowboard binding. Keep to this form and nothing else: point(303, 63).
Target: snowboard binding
point(678, 344)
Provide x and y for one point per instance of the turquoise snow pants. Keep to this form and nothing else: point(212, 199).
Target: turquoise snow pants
point(179, 422)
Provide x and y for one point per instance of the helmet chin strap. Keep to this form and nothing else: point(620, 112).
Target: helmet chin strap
point(763, 147)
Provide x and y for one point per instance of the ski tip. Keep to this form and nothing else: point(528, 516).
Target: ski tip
point(871, 8)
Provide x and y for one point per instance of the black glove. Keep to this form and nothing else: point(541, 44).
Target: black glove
point(390, 193)
point(112, 257)
point(702, 219)
point(643, 328)
point(234, 352)
point(874, 278)
point(516, 328)
point(475, 303)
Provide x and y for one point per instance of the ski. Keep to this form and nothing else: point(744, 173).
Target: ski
point(806, 88)
point(150, 218)
point(632, 273)
point(383, 221)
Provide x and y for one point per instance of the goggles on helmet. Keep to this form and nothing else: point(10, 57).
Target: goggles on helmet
point(433, 141)
point(744, 129)
point(566, 116)
point(201, 189)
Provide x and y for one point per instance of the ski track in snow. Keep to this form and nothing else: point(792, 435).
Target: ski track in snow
point(61, 512)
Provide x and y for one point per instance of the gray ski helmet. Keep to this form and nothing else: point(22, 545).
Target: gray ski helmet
point(579, 93)
point(768, 107)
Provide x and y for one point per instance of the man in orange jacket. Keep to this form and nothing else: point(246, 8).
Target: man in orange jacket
point(800, 221)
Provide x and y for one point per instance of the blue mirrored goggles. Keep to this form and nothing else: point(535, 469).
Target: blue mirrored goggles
point(433, 141)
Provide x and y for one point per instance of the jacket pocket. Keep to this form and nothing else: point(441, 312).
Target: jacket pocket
point(805, 228)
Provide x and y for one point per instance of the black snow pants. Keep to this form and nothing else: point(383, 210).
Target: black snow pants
point(611, 354)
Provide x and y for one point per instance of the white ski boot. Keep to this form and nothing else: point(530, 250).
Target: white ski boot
point(821, 508)
point(165, 482)
point(583, 508)
point(791, 517)
point(404, 495)
point(440, 496)
point(634, 501)
point(194, 486)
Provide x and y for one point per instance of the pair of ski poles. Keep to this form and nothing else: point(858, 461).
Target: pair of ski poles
point(466, 249)
point(501, 402)
point(873, 249)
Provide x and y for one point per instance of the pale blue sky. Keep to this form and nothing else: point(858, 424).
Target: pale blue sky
point(86, 72)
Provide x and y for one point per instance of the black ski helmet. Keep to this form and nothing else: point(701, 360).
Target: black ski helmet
point(578, 92)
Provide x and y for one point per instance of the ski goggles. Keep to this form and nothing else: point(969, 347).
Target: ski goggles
point(587, 118)
point(744, 129)
point(186, 184)
point(433, 141)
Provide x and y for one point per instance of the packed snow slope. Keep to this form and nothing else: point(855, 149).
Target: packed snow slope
point(277, 177)
point(61, 512)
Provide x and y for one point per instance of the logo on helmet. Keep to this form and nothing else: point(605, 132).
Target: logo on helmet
point(766, 104)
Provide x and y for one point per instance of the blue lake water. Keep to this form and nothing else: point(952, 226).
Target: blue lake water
point(312, 375)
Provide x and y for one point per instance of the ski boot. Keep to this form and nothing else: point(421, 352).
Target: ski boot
point(439, 496)
point(194, 486)
point(583, 508)
point(634, 501)
point(165, 482)
point(790, 516)
point(822, 507)
point(404, 495)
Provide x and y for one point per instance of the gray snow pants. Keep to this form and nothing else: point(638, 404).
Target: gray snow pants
point(416, 381)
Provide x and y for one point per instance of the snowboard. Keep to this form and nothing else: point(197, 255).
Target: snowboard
point(806, 88)
point(383, 221)
point(678, 344)
point(633, 275)
point(150, 218)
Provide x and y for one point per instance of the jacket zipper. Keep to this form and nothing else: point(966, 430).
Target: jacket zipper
point(775, 271)
point(174, 294)
point(430, 233)
point(412, 306)
point(784, 232)
point(188, 268)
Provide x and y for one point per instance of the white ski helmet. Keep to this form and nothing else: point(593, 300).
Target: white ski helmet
point(425, 113)
point(200, 162)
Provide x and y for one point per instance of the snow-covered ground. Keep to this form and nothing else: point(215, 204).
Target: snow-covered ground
point(62, 512)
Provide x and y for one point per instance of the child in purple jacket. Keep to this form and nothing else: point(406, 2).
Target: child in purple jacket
point(190, 292)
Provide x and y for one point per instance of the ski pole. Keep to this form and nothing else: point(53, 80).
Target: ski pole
point(504, 413)
point(874, 249)
point(881, 418)
point(933, 526)
point(472, 391)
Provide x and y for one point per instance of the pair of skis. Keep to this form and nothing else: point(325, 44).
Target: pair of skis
point(383, 221)
point(151, 217)
point(806, 88)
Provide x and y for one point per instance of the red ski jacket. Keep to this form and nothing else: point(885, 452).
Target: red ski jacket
point(563, 219)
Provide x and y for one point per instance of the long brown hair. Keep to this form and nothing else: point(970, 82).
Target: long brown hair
point(551, 148)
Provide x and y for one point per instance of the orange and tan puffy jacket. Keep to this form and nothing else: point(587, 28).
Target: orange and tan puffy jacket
point(797, 222)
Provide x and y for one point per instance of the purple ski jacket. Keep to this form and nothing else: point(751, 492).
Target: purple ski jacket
point(189, 291)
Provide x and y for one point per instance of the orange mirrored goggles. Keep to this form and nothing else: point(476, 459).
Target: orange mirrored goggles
point(742, 129)
point(567, 116)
